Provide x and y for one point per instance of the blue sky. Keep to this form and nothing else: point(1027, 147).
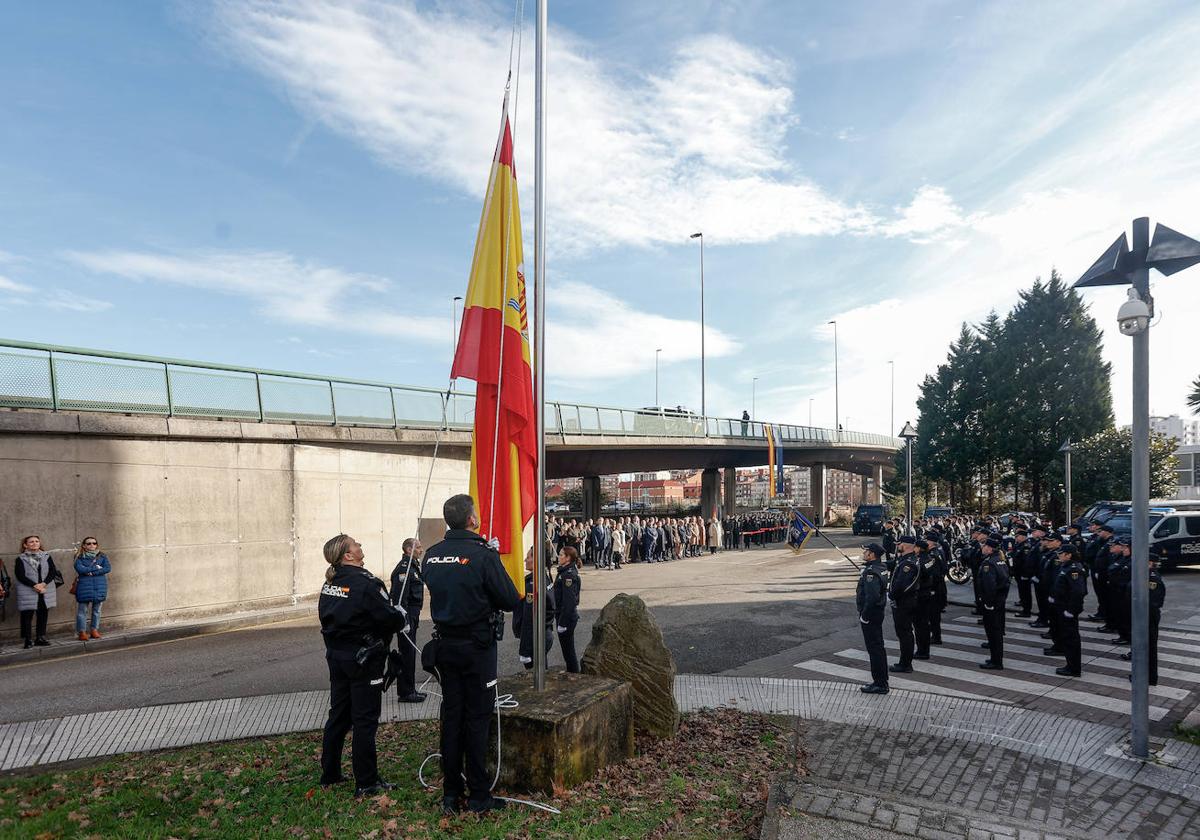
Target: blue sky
point(297, 185)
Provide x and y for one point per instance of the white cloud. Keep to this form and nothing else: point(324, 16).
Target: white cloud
point(7, 285)
point(932, 214)
point(634, 159)
point(73, 302)
point(592, 335)
point(283, 288)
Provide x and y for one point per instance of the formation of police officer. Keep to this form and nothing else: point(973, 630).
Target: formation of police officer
point(469, 591)
point(357, 623)
point(1050, 568)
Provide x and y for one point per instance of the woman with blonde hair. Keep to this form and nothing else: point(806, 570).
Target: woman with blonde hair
point(91, 587)
point(37, 584)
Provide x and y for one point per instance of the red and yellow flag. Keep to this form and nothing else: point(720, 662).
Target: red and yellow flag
point(493, 350)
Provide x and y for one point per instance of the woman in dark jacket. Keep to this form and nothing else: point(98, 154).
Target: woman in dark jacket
point(91, 587)
point(566, 604)
point(36, 587)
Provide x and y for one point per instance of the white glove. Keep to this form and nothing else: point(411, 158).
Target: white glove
point(494, 544)
point(561, 629)
point(1035, 580)
point(986, 607)
point(1050, 598)
point(1067, 614)
point(863, 620)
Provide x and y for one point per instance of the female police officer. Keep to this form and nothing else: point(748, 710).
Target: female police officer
point(357, 621)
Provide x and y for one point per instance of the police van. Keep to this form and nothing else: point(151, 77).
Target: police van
point(1179, 533)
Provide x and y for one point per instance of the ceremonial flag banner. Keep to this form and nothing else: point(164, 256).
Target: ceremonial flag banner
point(493, 350)
point(800, 531)
point(770, 433)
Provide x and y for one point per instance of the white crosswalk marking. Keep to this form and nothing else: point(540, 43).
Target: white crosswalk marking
point(1045, 669)
point(1034, 635)
point(1166, 644)
point(995, 680)
point(863, 675)
point(1093, 662)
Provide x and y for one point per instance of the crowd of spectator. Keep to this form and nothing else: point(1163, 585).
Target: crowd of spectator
point(35, 582)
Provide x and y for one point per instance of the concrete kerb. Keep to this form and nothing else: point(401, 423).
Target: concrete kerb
point(62, 647)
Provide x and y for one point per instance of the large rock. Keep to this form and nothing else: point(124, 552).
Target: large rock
point(627, 645)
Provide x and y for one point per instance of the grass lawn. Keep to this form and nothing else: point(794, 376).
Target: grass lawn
point(710, 781)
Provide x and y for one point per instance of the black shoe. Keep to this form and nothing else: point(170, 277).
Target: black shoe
point(450, 806)
point(1066, 672)
point(1107, 629)
point(28, 644)
point(989, 665)
point(1127, 656)
point(980, 621)
point(900, 669)
point(331, 782)
point(1095, 617)
point(874, 689)
point(920, 656)
point(985, 644)
point(42, 641)
point(1047, 635)
point(1053, 651)
point(1024, 614)
point(1120, 642)
point(489, 804)
point(1039, 624)
point(415, 697)
point(373, 790)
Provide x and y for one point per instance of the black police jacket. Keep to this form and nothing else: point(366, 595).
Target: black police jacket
point(929, 571)
point(889, 542)
point(906, 579)
point(1158, 593)
point(466, 584)
point(566, 596)
point(1070, 587)
point(355, 611)
point(408, 590)
point(1120, 575)
point(871, 595)
point(993, 582)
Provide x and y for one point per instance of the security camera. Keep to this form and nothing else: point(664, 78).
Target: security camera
point(1134, 315)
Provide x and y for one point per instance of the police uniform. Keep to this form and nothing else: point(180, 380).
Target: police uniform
point(523, 621)
point(1158, 595)
point(903, 592)
point(467, 587)
point(1120, 589)
point(871, 598)
point(566, 601)
point(993, 592)
point(1070, 588)
point(408, 592)
point(926, 600)
point(1023, 570)
point(357, 622)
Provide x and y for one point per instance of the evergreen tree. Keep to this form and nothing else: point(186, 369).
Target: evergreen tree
point(1101, 468)
point(1194, 397)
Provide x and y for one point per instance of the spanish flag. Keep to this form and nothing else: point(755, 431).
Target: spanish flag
point(770, 433)
point(493, 350)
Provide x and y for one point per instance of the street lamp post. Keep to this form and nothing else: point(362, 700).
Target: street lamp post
point(656, 403)
point(1169, 252)
point(1066, 450)
point(810, 402)
point(837, 414)
point(892, 418)
point(753, 385)
point(703, 404)
point(909, 434)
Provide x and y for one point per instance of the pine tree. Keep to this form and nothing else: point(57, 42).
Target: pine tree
point(1194, 397)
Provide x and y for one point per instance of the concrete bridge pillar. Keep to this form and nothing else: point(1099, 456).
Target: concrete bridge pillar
point(865, 489)
point(591, 497)
point(710, 493)
point(877, 474)
point(730, 496)
point(816, 485)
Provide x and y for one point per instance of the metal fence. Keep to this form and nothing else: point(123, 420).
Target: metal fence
point(76, 379)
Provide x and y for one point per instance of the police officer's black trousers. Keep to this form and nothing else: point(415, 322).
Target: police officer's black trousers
point(994, 629)
point(1043, 606)
point(922, 620)
point(355, 696)
point(1100, 584)
point(933, 617)
point(1120, 617)
point(566, 643)
point(873, 640)
point(903, 615)
point(1067, 638)
point(406, 681)
point(1155, 617)
point(1025, 594)
point(468, 704)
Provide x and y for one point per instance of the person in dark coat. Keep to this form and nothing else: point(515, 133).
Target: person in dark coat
point(1069, 590)
point(92, 569)
point(903, 591)
point(566, 601)
point(408, 592)
point(37, 585)
point(993, 592)
point(871, 600)
point(523, 618)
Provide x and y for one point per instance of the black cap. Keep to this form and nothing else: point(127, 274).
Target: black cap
point(1052, 536)
point(876, 549)
point(1107, 527)
point(1037, 526)
point(1069, 550)
point(1122, 541)
point(993, 543)
point(1021, 532)
point(908, 540)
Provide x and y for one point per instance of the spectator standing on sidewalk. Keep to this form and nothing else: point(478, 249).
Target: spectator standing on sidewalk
point(37, 584)
point(5, 588)
point(92, 569)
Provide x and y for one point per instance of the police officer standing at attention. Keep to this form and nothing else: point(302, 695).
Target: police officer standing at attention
point(357, 622)
point(566, 603)
point(1070, 588)
point(903, 593)
point(1023, 570)
point(1158, 596)
point(993, 592)
point(408, 592)
point(468, 589)
point(871, 598)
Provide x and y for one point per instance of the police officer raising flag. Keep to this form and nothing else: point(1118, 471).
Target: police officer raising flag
point(357, 623)
point(468, 591)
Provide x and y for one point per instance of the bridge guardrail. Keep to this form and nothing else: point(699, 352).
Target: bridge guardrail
point(76, 379)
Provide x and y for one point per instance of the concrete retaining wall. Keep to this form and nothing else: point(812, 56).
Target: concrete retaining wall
point(202, 527)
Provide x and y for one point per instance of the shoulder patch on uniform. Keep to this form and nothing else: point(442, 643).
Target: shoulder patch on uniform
point(1074, 574)
point(1154, 584)
point(528, 597)
point(566, 581)
point(335, 591)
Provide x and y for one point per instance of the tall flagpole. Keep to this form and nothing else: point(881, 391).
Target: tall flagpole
point(539, 332)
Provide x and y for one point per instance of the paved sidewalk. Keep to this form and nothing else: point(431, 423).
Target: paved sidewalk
point(970, 768)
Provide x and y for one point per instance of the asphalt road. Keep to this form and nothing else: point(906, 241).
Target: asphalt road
point(749, 612)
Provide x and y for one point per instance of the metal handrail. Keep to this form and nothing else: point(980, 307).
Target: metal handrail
point(165, 403)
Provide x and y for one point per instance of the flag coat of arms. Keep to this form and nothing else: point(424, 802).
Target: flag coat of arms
point(493, 350)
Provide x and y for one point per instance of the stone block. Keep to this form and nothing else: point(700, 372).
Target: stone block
point(627, 645)
point(564, 735)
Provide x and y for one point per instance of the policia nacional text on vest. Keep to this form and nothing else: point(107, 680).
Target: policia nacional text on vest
point(468, 591)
